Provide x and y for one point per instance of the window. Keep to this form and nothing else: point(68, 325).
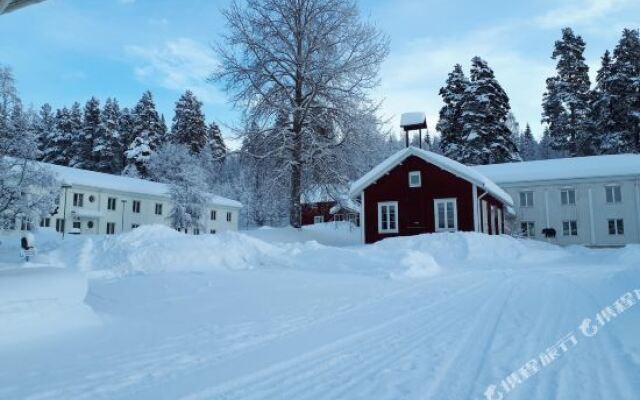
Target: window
point(568, 197)
point(318, 219)
point(415, 179)
point(446, 215)
point(92, 198)
point(528, 229)
point(158, 208)
point(78, 199)
point(213, 215)
point(59, 224)
point(111, 228)
point(134, 226)
point(338, 217)
point(388, 217)
point(196, 231)
point(229, 217)
point(90, 224)
point(616, 227)
point(212, 231)
point(526, 199)
point(570, 228)
point(111, 203)
point(77, 225)
point(613, 194)
point(136, 206)
point(45, 222)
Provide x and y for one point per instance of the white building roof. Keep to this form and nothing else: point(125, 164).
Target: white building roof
point(618, 165)
point(99, 180)
point(467, 173)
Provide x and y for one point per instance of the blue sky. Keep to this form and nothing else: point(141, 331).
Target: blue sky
point(67, 50)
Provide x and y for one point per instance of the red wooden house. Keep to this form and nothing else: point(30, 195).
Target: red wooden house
point(417, 191)
point(328, 203)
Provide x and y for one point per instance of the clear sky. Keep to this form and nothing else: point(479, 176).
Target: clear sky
point(67, 50)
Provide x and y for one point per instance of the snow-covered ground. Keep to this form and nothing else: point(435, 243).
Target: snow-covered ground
point(311, 314)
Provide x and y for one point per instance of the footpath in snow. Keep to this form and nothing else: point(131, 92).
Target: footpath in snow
point(288, 314)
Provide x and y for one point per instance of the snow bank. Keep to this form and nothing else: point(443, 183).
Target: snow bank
point(38, 302)
point(156, 248)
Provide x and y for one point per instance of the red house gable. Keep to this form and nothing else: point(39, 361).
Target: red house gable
point(417, 191)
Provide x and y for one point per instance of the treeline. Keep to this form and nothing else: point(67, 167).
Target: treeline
point(476, 126)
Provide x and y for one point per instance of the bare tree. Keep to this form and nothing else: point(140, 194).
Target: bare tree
point(313, 60)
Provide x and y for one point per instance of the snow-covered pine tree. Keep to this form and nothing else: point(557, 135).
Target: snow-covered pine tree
point(78, 151)
point(528, 146)
point(566, 101)
point(45, 130)
point(624, 86)
point(546, 150)
point(450, 122)
point(92, 132)
point(189, 127)
point(609, 139)
point(487, 138)
point(148, 131)
point(59, 146)
point(126, 135)
point(107, 146)
point(216, 141)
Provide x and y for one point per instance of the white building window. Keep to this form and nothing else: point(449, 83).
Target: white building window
point(528, 229)
point(158, 208)
point(616, 227)
point(570, 228)
point(77, 225)
point(388, 217)
point(415, 179)
point(45, 222)
point(229, 216)
point(196, 231)
point(446, 213)
point(134, 226)
point(59, 225)
point(111, 228)
point(212, 231)
point(135, 206)
point(213, 215)
point(526, 199)
point(78, 199)
point(111, 203)
point(318, 219)
point(568, 197)
point(613, 194)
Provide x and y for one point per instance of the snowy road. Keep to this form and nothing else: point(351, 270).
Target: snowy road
point(286, 334)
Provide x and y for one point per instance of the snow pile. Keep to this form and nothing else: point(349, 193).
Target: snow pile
point(157, 248)
point(38, 302)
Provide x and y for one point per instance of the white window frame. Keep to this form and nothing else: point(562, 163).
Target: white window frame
point(158, 209)
point(568, 227)
point(229, 216)
point(318, 219)
point(613, 188)
point(213, 215)
point(618, 226)
point(530, 231)
point(414, 174)
point(111, 228)
point(78, 199)
point(437, 216)
point(393, 204)
point(565, 197)
point(135, 206)
point(524, 195)
point(111, 203)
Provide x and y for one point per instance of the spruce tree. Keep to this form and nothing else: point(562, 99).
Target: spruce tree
point(92, 133)
point(624, 86)
point(566, 101)
point(189, 127)
point(149, 133)
point(216, 142)
point(78, 150)
point(450, 122)
point(487, 139)
point(609, 139)
point(126, 136)
point(45, 130)
point(107, 147)
point(528, 146)
point(59, 148)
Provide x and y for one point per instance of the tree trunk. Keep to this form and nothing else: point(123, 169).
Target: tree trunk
point(295, 208)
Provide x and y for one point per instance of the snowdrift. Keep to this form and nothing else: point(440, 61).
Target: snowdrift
point(38, 302)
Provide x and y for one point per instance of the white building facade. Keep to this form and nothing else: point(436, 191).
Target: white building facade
point(592, 201)
point(96, 203)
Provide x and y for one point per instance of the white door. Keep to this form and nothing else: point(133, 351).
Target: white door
point(446, 215)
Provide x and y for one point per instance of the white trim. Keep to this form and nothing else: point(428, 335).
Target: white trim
point(393, 204)
point(419, 175)
point(546, 208)
point(592, 219)
point(436, 216)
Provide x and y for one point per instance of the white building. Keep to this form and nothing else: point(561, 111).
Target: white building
point(97, 203)
point(587, 200)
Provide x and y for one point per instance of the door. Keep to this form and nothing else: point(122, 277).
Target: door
point(446, 215)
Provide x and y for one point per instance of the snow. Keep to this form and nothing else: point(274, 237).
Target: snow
point(76, 176)
point(284, 313)
point(470, 174)
point(618, 165)
point(413, 118)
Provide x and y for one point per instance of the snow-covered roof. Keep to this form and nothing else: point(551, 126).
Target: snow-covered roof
point(563, 168)
point(345, 204)
point(412, 118)
point(76, 176)
point(467, 173)
point(322, 193)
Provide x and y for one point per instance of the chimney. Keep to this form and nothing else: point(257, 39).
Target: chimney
point(413, 121)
